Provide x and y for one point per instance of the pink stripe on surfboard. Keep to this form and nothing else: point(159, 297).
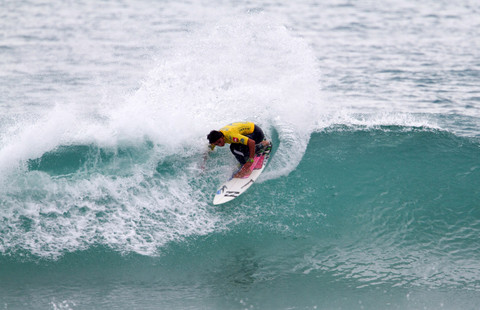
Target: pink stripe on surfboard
point(254, 165)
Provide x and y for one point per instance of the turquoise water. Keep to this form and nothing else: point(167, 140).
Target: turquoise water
point(376, 218)
point(370, 200)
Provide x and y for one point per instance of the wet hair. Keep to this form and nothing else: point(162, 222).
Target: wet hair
point(213, 136)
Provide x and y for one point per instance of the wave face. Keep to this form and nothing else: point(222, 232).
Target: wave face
point(385, 212)
point(399, 205)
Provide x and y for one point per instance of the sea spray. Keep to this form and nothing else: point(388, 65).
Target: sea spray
point(246, 69)
point(127, 175)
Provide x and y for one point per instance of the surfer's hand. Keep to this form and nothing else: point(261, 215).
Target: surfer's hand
point(244, 171)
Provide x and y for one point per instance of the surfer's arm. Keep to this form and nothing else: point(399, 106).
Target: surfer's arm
point(246, 167)
point(205, 156)
point(251, 149)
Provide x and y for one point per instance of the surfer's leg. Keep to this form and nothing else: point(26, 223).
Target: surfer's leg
point(257, 136)
point(240, 152)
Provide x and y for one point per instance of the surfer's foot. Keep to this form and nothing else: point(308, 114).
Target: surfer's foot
point(267, 146)
point(263, 146)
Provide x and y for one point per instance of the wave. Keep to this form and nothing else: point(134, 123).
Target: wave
point(375, 198)
point(394, 187)
point(125, 173)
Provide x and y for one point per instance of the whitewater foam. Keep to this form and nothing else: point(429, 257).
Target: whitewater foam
point(347, 117)
point(134, 187)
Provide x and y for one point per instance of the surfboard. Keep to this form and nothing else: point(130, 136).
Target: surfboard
point(234, 187)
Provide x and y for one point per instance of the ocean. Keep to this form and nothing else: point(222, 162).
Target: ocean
point(370, 200)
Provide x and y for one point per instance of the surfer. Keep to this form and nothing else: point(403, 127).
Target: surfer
point(244, 138)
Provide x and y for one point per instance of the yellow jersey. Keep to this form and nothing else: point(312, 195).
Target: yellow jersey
point(236, 132)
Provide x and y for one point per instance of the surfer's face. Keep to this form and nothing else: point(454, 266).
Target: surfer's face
point(220, 142)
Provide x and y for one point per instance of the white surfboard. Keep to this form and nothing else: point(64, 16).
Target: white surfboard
point(234, 187)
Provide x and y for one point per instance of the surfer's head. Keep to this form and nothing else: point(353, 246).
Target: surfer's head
point(216, 138)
